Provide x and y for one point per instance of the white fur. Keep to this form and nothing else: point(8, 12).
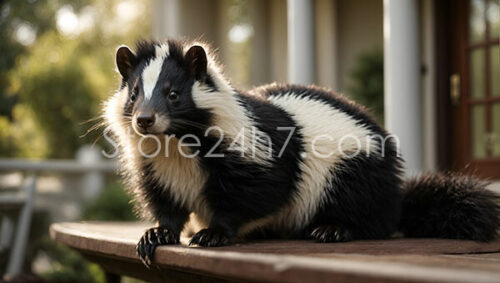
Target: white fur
point(235, 122)
point(152, 70)
point(183, 177)
point(113, 112)
point(121, 128)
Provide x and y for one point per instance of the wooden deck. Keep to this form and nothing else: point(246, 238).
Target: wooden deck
point(112, 245)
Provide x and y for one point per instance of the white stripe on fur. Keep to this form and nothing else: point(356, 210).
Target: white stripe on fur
point(152, 70)
point(230, 116)
point(316, 119)
point(235, 122)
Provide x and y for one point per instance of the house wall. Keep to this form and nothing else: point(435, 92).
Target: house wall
point(343, 30)
point(199, 17)
point(326, 39)
point(278, 40)
point(207, 20)
point(260, 72)
point(193, 19)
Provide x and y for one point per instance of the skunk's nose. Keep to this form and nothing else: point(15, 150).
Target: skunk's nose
point(145, 120)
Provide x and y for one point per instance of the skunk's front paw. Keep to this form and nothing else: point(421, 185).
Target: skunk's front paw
point(210, 238)
point(330, 233)
point(153, 238)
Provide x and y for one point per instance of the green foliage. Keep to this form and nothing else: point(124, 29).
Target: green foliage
point(38, 16)
point(59, 80)
point(15, 14)
point(114, 204)
point(56, 82)
point(7, 144)
point(367, 82)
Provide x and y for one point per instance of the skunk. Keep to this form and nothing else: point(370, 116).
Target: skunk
point(283, 160)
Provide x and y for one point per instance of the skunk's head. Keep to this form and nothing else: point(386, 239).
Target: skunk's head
point(160, 79)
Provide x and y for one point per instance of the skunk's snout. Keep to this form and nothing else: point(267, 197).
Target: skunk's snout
point(145, 120)
point(149, 121)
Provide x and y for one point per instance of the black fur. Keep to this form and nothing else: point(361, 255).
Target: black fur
point(367, 206)
point(171, 217)
point(356, 111)
point(238, 190)
point(358, 207)
point(448, 205)
point(164, 208)
point(153, 238)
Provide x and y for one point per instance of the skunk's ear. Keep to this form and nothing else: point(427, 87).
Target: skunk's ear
point(125, 61)
point(196, 59)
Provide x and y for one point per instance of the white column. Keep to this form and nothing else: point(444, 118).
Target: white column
point(300, 41)
point(165, 20)
point(402, 79)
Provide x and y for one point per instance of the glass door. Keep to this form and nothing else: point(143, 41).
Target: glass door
point(475, 86)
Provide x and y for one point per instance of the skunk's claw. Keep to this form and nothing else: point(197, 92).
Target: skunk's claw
point(210, 238)
point(151, 239)
point(330, 233)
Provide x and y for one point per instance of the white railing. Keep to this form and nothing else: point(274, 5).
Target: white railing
point(64, 166)
point(16, 210)
point(88, 163)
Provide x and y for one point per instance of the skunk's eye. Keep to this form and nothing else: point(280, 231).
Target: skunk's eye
point(133, 95)
point(173, 95)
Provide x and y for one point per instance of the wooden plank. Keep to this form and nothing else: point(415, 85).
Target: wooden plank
point(155, 274)
point(396, 260)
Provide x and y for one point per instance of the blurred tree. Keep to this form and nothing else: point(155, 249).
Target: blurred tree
point(20, 23)
point(58, 68)
point(57, 65)
point(61, 81)
point(367, 82)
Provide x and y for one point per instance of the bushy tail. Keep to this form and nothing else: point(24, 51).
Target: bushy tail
point(447, 205)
